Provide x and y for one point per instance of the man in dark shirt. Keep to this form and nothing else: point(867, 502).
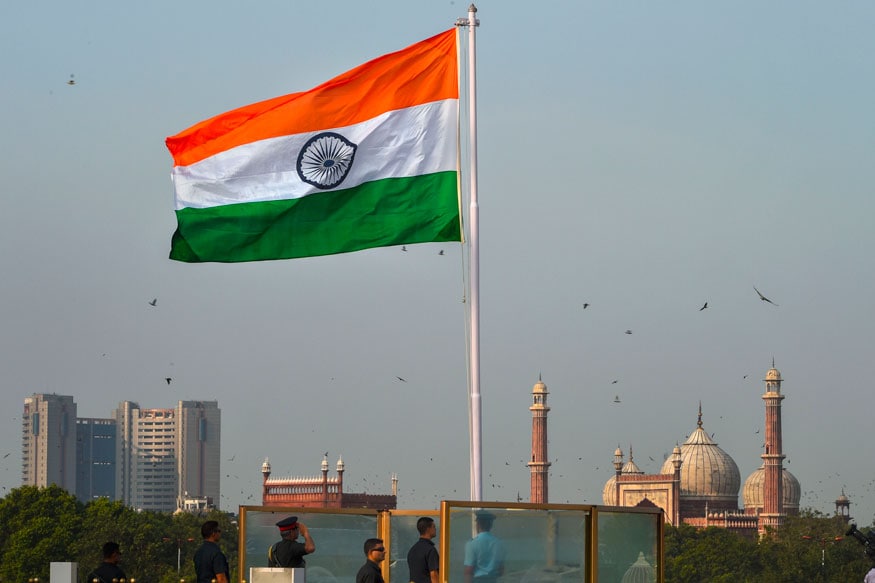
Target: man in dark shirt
point(209, 561)
point(289, 552)
point(422, 559)
point(108, 571)
point(370, 572)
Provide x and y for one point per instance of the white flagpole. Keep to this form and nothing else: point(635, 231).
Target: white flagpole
point(474, 263)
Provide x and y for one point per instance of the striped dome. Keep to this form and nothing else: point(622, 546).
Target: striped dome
point(640, 572)
point(754, 486)
point(708, 473)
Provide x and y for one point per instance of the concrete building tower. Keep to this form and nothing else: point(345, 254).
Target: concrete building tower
point(48, 441)
point(198, 451)
point(539, 466)
point(146, 459)
point(773, 456)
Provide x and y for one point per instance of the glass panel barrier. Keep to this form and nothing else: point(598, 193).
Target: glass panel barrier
point(402, 535)
point(338, 535)
point(628, 546)
point(512, 544)
point(480, 542)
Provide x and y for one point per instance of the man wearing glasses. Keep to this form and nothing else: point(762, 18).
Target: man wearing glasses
point(370, 572)
point(289, 552)
point(210, 562)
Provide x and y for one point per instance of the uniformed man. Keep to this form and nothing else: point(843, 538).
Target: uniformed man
point(288, 552)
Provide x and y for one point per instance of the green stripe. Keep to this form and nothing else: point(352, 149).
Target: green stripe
point(393, 211)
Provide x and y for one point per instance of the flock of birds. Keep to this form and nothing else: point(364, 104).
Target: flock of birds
point(704, 306)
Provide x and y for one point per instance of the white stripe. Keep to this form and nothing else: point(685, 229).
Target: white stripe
point(406, 142)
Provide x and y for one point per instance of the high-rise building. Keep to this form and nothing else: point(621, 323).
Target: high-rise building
point(165, 456)
point(199, 427)
point(146, 477)
point(95, 458)
point(48, 440)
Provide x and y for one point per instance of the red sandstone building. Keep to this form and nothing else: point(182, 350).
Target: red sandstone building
point(320, 491)
point(699, 483)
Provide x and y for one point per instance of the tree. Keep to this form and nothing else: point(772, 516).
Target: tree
point(712, 554)
point(37, 526)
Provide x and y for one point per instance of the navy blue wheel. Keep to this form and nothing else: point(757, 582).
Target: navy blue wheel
point(325, 160)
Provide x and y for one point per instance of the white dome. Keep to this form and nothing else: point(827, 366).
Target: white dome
point(754, 485)
point(708, 472)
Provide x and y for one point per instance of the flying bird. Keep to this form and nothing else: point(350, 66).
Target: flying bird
point(168, 379)
point(614, 382)
point(762, 297)
point(628, 331)
point(617, 399)
point(153, 302)
point(585, 305)
point(404, 248)
point(71, 81)
point(704, 306)
point(400, 379)
point(441, 252)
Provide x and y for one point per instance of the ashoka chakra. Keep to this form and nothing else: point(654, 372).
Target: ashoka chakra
point(325, 160)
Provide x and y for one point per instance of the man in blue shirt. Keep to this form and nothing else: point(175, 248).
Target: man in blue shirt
point(484, 554)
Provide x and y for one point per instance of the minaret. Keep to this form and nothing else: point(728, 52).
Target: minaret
point(325, 480)
point(340, 468)
point(773, 457)
point(843, 507)
point(539, 465)
point(265, 473)
point(676, 462)
point(618, 470)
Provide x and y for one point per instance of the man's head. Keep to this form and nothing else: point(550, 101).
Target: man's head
point(484, 520)
point(111, 553)
point(375, 550)
point(210, 530)
point(426, 527)
point(288, 527)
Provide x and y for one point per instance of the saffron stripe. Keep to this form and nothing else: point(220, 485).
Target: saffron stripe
point(423, 72)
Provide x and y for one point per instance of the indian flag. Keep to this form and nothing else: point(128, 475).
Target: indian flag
point(367, 159)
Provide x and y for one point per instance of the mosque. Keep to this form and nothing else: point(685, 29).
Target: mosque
point(699, 483)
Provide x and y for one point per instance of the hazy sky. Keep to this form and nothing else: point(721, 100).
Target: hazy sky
point(642, 157)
